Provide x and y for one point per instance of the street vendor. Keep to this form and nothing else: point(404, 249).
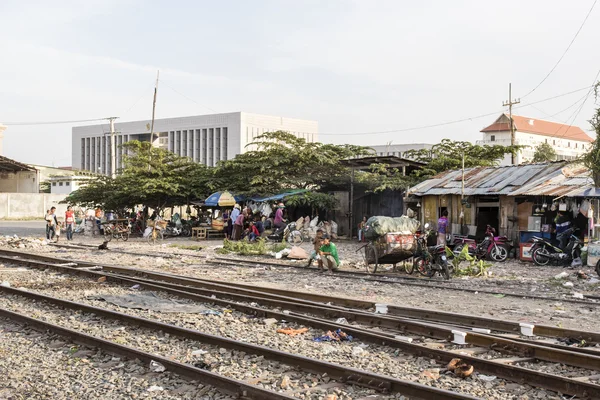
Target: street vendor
point(279, 222)
point(328, 255)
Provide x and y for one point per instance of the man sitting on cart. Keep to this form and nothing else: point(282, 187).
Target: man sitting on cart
point(328, 255)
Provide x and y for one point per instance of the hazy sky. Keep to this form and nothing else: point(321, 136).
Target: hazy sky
point(354, 66)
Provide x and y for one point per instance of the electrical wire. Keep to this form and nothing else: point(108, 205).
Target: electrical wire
point(450, 122)
point(578, 110)
point(52, 122)
point(187, 97)
point(564, 53)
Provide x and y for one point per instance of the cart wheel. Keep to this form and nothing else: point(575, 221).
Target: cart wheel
point(371, 259)
point(409, 267)
point(108, 235)
point(125, 236)
point(423, 266)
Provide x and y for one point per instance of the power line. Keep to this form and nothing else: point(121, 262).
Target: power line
point(449, 122)
point(52, 122)
point(578, 110)
point(187, 97)
point(564, 53)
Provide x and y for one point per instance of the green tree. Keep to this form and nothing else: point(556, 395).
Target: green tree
point(544, 153)
point(448, 155)
point(151, 176)
point(282, 162)
point(592, 158)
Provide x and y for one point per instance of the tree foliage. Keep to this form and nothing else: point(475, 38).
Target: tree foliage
point(544, 152)
point(282, 161)
point(592, 158)
point(151, 176)
point(448, 155)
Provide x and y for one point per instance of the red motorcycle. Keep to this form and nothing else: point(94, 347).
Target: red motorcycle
point(492, 247)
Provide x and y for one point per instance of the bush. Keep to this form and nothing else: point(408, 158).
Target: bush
point(247, 248)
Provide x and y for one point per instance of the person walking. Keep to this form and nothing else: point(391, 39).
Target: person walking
point(69, 222)
point(52, 224)
point(48, 218)
point(238, 226)
point(98, 216)
point(442, 228)
point(279, 222)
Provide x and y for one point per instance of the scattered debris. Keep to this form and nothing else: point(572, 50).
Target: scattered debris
point(341, 321)
point(292, 332)
point(578, 295)
point(200, 352)
point(5, 284)
point(568, 284)
point(22, 243)
point(157, 367)
point(337, 336)
point(269, 321)
point(562, 275)
point(298, 253)
point(433, 374)
point(460, 368)
point(486, 378)
point(102, 279)
point(155, 388)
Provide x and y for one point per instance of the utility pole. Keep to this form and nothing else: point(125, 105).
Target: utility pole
point(113, 150)
point(154, 109)
point(510, 103)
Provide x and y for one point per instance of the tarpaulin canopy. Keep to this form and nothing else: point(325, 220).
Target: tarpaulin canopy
point(222, 199)
point(279, 196)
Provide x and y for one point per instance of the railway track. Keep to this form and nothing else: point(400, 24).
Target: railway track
point(312, 313)
point(397, 279)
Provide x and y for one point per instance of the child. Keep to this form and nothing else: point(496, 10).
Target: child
point(317, 246)
point(58, 228)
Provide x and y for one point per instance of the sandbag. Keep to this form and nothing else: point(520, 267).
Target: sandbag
point(379, 226)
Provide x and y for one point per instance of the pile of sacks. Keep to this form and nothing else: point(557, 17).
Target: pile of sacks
point(309, 227)
point(21, 243)
point(379, 226)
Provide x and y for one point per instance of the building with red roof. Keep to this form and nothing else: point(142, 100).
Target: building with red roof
point(568, 141)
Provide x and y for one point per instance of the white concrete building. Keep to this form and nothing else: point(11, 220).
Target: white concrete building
point(569, 142)
point(398, 150)
point(206, 139)
point(69, 182)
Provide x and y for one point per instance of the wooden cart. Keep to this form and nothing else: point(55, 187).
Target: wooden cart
point(390, 248)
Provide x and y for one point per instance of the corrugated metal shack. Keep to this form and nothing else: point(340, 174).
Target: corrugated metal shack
point(504, 197)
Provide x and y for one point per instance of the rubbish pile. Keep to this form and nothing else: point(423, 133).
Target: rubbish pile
point(379, 226)
point(22, 243)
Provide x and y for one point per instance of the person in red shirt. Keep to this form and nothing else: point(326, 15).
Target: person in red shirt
point(69, 222)
point(253, 232)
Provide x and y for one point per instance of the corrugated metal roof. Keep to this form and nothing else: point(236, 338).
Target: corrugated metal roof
point(549, 179)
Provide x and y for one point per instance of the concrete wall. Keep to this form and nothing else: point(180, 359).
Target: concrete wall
point(29, 205)
point(19, 182)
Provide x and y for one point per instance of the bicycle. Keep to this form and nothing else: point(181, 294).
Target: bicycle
point(157, 232)
point(116, 229)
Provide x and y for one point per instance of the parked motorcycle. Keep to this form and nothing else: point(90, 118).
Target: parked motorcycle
point(429, 260)
point(543, 251)
point(289, 233)
point(492, 247)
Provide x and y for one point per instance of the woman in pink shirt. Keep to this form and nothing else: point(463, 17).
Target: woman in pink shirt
point(69, 222)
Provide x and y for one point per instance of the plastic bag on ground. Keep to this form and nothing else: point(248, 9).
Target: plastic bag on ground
point(314, 222)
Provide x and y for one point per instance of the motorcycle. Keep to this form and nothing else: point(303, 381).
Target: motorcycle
point(492, 247)
point(429, 260)
point(543, 251)
point(289, 233)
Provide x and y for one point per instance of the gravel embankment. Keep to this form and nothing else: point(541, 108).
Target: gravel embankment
point(378, 359)
point(44, 366)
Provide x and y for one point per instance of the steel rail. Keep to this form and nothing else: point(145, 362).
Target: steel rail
point(393, 310)
point(222, 383)
point(510, 372)
point(497, 343)
point(490, 323)
point(563, 354)
point(344, 374)
point(349, 275)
